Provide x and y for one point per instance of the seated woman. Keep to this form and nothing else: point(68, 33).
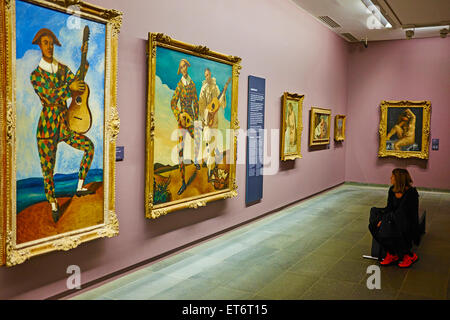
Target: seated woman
point(396, 227)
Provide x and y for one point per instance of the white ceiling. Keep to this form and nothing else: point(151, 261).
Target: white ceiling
point(354, 17)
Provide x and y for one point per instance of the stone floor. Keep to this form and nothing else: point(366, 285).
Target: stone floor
point(311, 250)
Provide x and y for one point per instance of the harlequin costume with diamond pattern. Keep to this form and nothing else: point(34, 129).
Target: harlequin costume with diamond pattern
point(186, 93)
point(53, 91)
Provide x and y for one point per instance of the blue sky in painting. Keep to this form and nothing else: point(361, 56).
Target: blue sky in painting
point(167, 67)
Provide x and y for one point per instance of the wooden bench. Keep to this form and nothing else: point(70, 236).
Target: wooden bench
point(377, 252)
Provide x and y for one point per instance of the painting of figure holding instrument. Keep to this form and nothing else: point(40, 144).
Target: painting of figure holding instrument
point(210, 100)
point(192, 122)
point(60, 122)
point(187, 118)
point(54, 83)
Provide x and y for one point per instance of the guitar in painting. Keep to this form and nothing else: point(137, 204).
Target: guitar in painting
point(214, 105)
point(79, 115)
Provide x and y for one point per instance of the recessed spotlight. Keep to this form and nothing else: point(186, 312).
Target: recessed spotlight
point(409, 34)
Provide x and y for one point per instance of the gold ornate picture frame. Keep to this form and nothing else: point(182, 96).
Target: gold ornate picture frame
point(56, 172)
point(339, 127)
point(291, 126)
point(191, 129)
point(319, 127)
point(405, 129)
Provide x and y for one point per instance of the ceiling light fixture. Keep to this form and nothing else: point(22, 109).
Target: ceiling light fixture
point(409, 34)
point(444, 33)
point(375, 11)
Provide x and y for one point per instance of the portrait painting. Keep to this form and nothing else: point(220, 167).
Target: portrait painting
point(320, 120)
point(404, 129)
point(339, 127)
point(291, 126)
point(192, 114)
point(62, 122)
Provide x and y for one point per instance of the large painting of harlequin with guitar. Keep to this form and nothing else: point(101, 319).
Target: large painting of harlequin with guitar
point(192, 117)
point(63, 101)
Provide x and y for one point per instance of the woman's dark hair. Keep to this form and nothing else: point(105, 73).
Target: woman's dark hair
point(402, 180)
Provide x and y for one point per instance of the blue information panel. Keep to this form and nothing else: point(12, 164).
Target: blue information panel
point(120, 153)
point(434, 144)
point(255, 139)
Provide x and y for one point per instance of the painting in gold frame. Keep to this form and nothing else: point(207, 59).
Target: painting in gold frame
point(320, 120)
point(191, 126)
point(57, 171)
point(291, 126)
point(339, 127)
point(405, 129)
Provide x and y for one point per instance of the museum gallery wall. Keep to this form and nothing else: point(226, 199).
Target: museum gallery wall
point(326, 87)
point(410, 70)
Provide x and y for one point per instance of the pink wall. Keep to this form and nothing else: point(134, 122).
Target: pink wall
point(417, 69)
point(277, 41)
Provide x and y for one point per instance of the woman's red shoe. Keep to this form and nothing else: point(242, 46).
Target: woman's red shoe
point(408, 260)
point(389, 259)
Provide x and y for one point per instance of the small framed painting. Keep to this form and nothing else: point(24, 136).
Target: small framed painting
point(320, 120)
point(339, 127)
point(291, 126)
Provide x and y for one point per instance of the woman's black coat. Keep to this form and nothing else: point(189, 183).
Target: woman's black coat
point(404, 213)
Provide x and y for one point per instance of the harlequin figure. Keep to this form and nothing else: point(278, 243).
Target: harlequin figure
point(187, 117)
point(53, 82)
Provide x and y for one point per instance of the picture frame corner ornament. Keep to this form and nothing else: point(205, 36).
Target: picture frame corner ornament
point(14, 256)
point(161, 37)
point(116, 22)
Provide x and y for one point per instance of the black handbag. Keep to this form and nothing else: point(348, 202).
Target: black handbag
point(388, 229)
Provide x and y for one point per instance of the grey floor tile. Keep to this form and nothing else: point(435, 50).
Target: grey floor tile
point(334, 248)
point(223, 293)
point(366, 240)
point(313, 265)
point(406, 296)
point(279, 241)
point(349, 270)
point(190, 289)
point(352, 236)
point(220, 274)
point(432, 263)
point(288, 286)
point(357, 251)
point(259, 297)
point(104, 289)
point(392, 277)
point(435, 245)
point(425, 283)
point(307, 244)
point(283, 259)
point(145, 289)
point(254, 279)
point(330, 289)
point(359, 209)
point(250, 256)
point(361, 292)
point(169, 261)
